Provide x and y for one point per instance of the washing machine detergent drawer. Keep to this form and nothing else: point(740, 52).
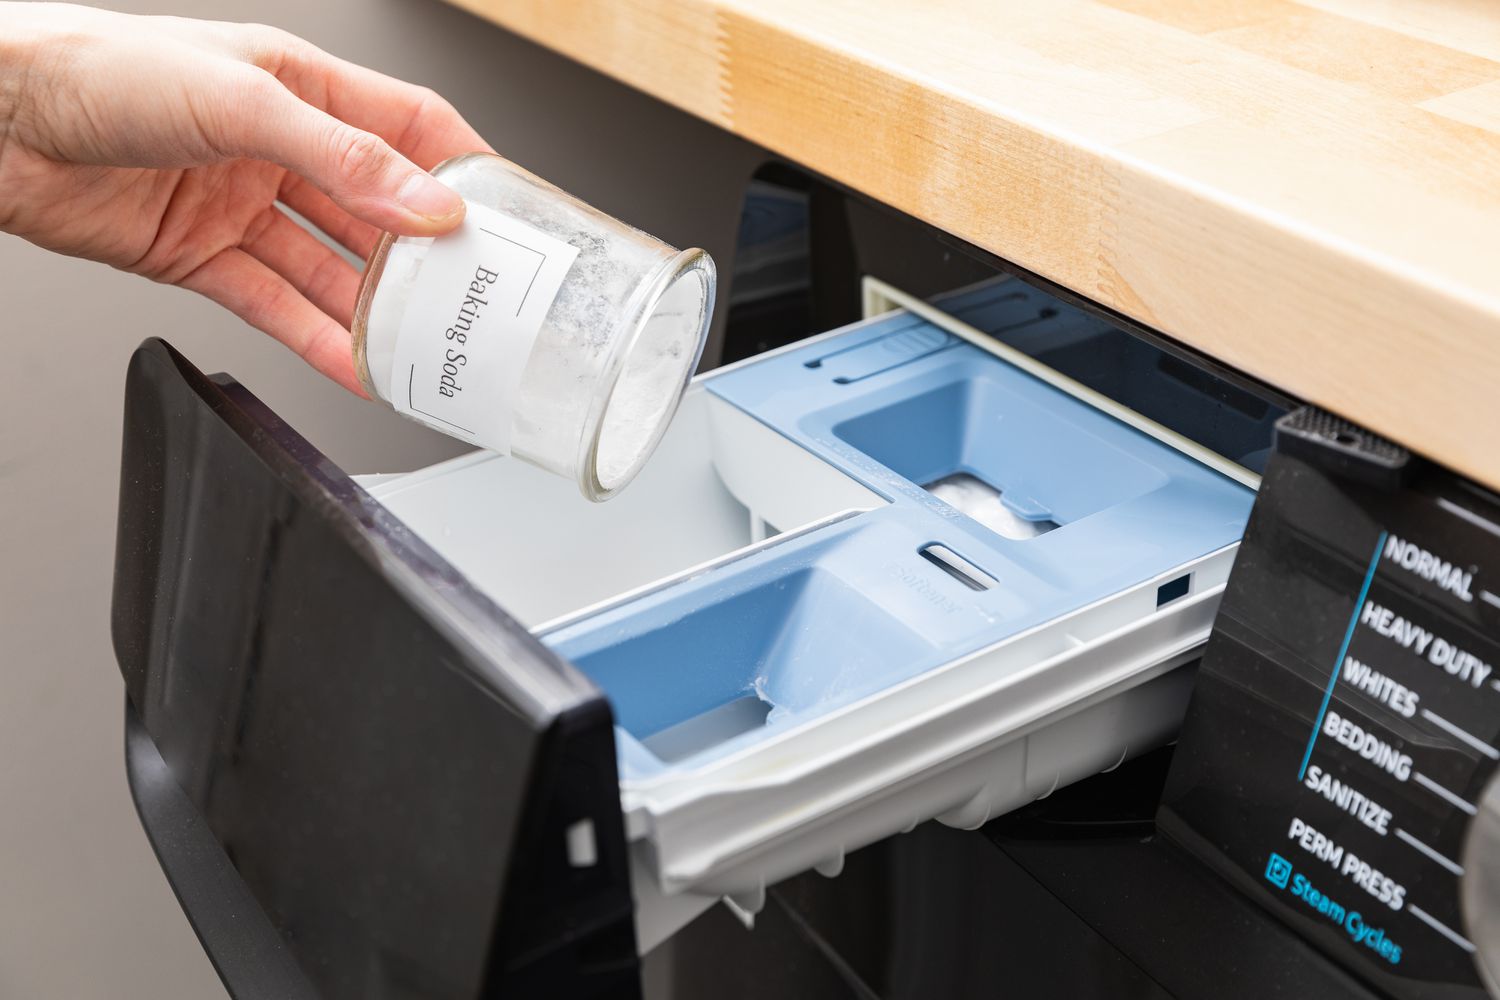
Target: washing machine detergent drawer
point(462, 730)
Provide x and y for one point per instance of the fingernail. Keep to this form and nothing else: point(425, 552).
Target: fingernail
point(421, 194)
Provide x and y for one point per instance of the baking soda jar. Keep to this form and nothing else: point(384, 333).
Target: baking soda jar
point(541, 327)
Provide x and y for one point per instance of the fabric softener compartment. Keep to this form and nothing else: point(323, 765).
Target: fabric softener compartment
point(880, 577)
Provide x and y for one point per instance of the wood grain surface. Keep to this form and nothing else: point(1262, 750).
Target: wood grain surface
point(1309, 191)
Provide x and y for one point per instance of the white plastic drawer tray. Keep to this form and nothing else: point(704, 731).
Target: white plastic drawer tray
point(876, 578)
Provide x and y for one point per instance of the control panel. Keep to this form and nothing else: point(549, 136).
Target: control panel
point(1339, 757)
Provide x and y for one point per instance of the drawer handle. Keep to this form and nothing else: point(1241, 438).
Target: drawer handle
point(957, 566)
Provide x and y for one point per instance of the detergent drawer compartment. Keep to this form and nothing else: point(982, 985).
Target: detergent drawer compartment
point(880, 577)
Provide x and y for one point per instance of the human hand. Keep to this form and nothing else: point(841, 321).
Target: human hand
point(161, 146)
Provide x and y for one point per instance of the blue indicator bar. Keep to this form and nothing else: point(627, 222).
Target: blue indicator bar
point(1338, 664)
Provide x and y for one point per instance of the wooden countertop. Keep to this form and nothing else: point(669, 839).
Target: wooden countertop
point(1309, 191)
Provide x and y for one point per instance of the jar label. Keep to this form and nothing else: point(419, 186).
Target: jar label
point(479, 301)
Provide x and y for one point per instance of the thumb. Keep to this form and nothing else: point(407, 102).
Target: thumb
point(357, 169)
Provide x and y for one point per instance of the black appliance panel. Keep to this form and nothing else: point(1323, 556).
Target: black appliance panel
point(1346, 717)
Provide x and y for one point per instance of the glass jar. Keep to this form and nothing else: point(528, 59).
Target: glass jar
point(541, 327)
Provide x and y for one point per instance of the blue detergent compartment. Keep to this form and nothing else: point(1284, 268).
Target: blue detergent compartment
point(1050, 504)
point(744, 659)
point(786, 633)
point(1041, 468)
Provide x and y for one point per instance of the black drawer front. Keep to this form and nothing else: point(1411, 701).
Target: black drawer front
point(388, 762)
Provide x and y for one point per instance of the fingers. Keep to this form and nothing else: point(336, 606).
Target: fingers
point(358, 136)
point(317, 271)
point(359, 144)
point(358, 170)
point(261, 297)
point(414, 119)
point(359, 238)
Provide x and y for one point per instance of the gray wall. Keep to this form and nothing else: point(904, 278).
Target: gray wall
point(84, 910)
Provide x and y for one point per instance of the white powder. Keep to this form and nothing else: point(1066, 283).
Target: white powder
point(650, 384)
point(561, 421)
